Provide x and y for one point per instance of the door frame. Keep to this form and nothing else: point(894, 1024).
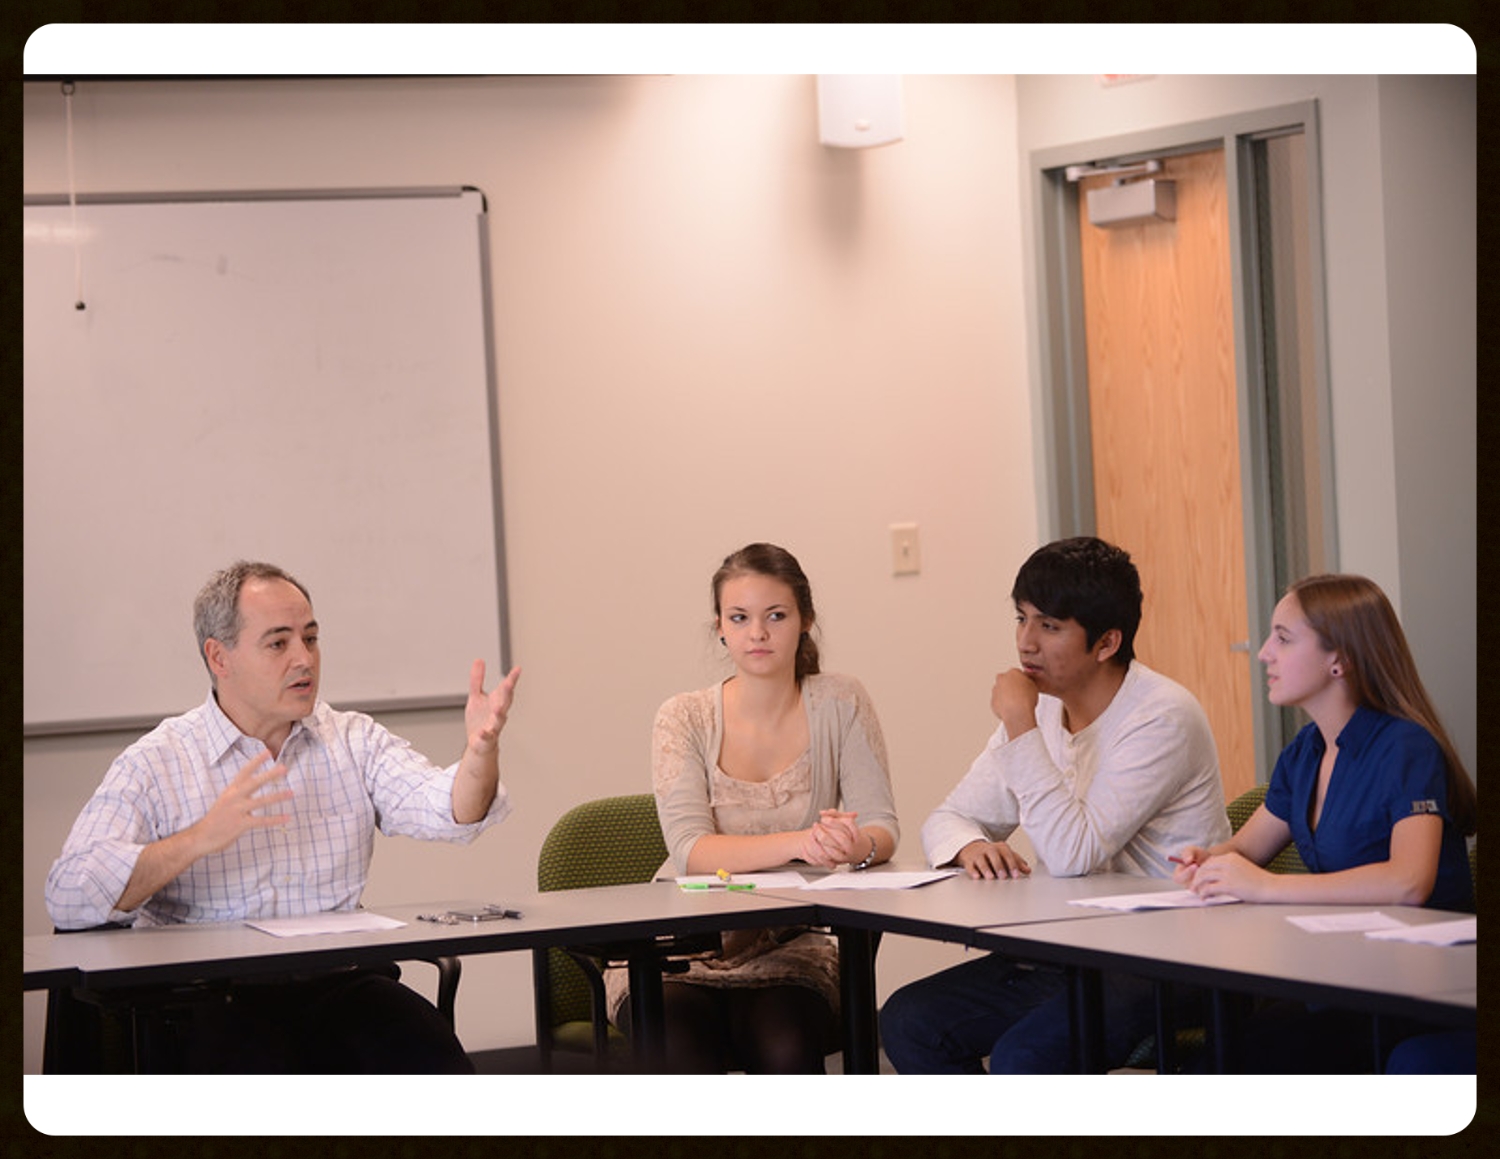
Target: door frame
point(1065, 478)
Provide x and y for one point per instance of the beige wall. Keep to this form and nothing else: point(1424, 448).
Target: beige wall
point(710, 329)
point(1429, 170)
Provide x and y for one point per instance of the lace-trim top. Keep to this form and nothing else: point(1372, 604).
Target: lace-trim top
point(756, 807)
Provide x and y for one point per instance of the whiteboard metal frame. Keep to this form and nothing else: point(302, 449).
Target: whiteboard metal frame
point(141, 723)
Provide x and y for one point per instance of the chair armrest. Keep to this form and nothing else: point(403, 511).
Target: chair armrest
point(449, 969)
point(599, 1013)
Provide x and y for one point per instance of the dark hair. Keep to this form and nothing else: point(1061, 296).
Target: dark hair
point(1354, 620)
point(216, 611)
point(777, 562)
point(1087, 580)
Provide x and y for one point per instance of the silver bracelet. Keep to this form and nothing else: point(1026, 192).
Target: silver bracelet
point(869, 857)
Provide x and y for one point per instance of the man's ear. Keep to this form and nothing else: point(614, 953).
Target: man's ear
point(1107, 644)
point(214, 652)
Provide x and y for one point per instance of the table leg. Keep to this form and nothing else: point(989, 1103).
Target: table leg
point(857, 997)
point(647, 1009)
point(1223, 1030)
point(541, 1001)
point(1166, 1029)
point(1382, 1038)
point(1086, 989)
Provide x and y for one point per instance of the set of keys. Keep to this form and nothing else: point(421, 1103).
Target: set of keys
point(454, 917)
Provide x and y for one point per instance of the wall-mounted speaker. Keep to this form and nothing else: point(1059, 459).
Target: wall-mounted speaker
point(857, 112)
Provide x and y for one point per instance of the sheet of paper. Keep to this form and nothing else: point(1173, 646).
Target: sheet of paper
point(1167, 899)
point(1434, 933)
point(1342, 923)
point(343, 922)
point(891, 879)
point(784, 880)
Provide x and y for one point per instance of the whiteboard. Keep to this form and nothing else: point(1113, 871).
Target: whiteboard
point(302, 378)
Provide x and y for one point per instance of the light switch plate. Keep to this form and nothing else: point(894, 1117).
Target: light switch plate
point(906, 551)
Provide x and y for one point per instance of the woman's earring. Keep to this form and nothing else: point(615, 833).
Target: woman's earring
point(1336, 671)
point(723, 641)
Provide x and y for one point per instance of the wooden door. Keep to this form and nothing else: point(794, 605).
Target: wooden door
point(1159, 325)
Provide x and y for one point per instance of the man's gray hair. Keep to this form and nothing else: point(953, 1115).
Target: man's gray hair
point(216, 611)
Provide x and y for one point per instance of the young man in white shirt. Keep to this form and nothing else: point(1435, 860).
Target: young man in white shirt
point(1107, 765)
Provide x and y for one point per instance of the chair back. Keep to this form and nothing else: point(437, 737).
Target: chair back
point(610, 841)
point(1240, 811)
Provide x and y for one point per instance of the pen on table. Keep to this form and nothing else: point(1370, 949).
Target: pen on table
point(718, 885)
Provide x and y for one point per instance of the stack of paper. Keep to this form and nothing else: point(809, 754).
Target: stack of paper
point(1433, 933)
point(885, 879)
point(1345, 923)
point(876, 879)
point(340, 922)
point(1166, 899)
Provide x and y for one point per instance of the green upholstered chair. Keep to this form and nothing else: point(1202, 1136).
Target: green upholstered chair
point(136, 1029)
point(1240, 809)
point(87, 1036)
point(610, 841)
point(127, 1030)
point(1145, 1055)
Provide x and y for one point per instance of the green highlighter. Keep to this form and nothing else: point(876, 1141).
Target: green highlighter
point(726, 881)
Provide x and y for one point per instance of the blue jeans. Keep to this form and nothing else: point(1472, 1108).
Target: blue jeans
point(1013, 1013)
point(1439, 1052)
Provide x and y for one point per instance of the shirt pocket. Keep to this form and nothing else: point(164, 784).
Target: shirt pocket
point(326, 859)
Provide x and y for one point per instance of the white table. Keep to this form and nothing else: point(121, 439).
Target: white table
point(1253, 949)
point(631, 917)
point(955, 909)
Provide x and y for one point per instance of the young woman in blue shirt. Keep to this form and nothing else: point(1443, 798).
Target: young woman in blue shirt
point(1372, 791)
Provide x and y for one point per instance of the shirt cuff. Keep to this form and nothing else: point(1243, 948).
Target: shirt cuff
point(498, 811)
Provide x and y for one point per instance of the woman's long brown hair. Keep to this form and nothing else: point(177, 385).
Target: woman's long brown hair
point(1353, 618)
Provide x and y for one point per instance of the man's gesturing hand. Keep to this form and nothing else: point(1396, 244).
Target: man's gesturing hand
point(237, 809)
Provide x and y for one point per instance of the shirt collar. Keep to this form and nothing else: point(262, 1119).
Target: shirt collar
point(224, 734)
point(1357, 732)
point(1123, 695)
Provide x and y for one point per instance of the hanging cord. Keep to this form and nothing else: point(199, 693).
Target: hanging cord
point(67, 91)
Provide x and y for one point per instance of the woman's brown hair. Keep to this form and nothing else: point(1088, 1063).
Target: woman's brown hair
point(1353, 619)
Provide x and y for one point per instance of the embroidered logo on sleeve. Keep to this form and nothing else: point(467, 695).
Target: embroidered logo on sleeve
point(1427, 806)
